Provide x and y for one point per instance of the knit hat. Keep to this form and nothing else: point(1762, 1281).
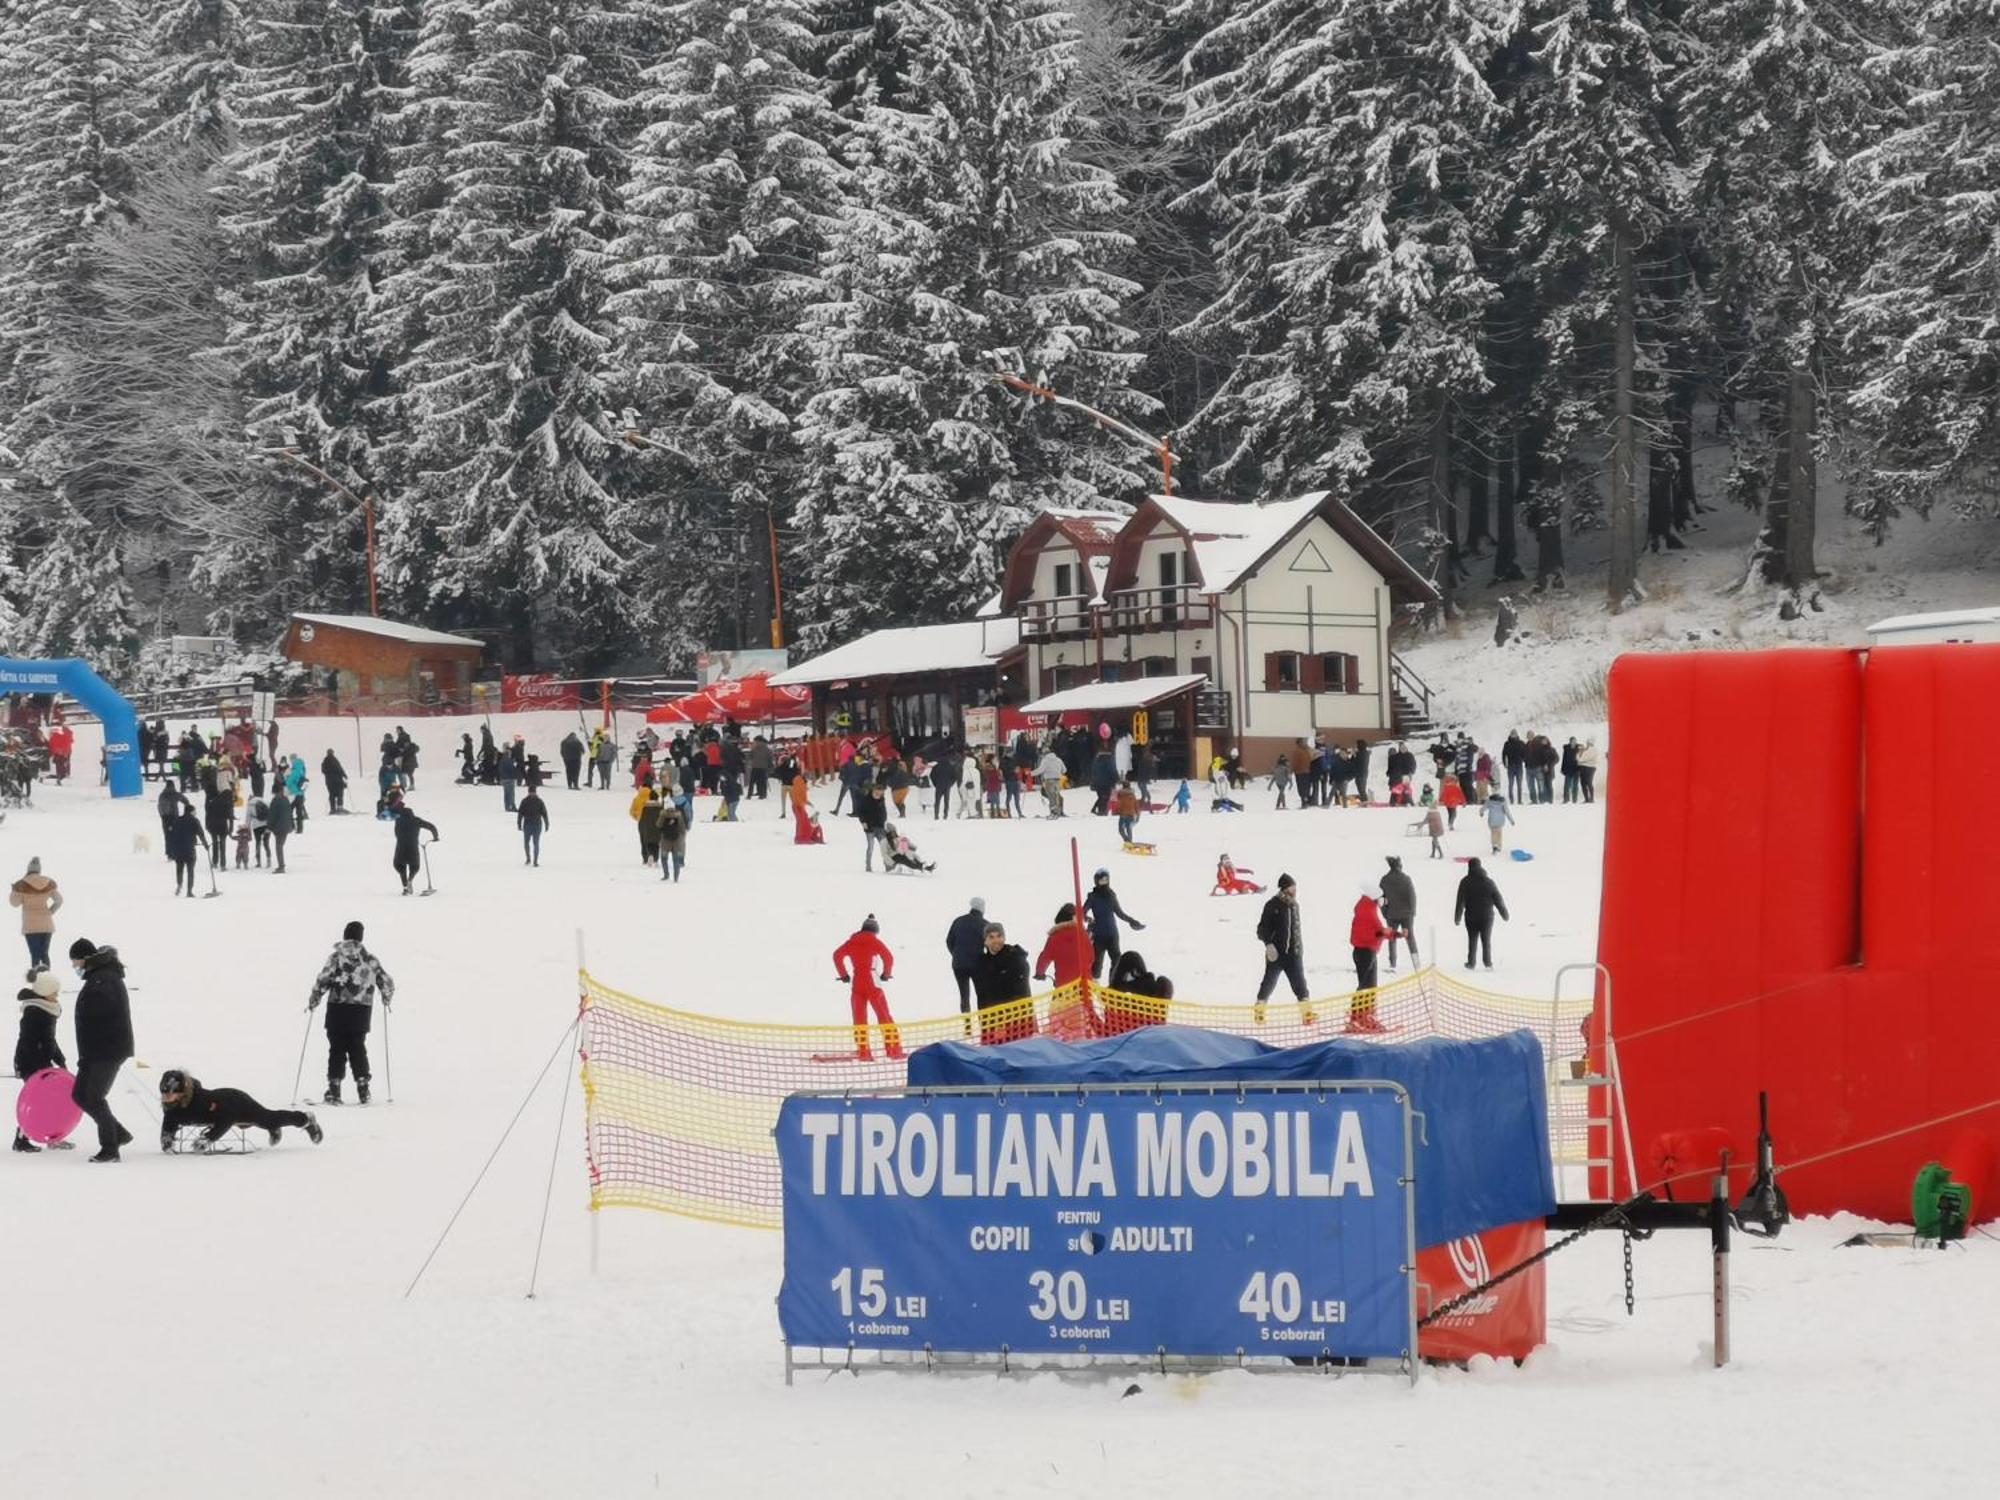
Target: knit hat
point(870, 924)
point(351, 932)
point(35, 865)
point(45, 984)
point(1285, 882)
point(979, 904)
point(1395, 861)
point(81, 948)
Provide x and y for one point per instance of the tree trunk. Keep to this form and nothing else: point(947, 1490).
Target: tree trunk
point(1507, 489)
point(1444, 520)
point(1768, 552)
point(1802, 398)
point(1622, 580)
point(1478, 528)
point(1545, 515)
point(1680, 427)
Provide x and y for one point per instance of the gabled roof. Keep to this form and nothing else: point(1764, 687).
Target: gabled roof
point(395, 630)
point(957, 647)
point(1106, 697)
point(1229, 540)
point(1092, 532)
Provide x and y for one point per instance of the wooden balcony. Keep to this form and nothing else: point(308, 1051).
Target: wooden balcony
point(1055, 619)
point(1176, 607)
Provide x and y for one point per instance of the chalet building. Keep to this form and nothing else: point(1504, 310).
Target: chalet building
point(1281, 610)
point(383, 666)
point(1196, 625)
point(915, 683)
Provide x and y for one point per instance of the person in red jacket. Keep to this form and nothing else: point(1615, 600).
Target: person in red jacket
point(854, 961)
point(1451, 797)
point(62, 743)
point(1367, 934)
point(1065, 950)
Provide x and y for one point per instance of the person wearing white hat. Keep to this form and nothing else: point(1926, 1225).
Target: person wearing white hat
point(35, 1045)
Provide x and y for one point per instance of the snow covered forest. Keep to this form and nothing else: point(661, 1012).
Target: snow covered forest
point(583, 295)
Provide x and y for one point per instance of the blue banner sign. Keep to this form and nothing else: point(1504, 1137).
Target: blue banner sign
point(1196, 1221)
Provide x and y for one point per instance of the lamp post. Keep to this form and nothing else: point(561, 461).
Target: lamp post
point(367, 513)
point(640, 440)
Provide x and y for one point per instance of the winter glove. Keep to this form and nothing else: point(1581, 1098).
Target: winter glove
point(1270, 953)
point(313, 1003)
point(1138, 926)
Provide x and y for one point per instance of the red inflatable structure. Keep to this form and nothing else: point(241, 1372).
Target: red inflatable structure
point(1796, 900)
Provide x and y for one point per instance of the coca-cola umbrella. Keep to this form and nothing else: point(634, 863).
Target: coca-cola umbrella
point(749, 699)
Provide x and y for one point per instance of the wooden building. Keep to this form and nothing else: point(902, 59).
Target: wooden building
point(914, 683)
point(383, 666)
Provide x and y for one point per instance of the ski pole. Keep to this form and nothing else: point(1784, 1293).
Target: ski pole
point(428, 887)
point(388, 1059)
point(304, 1042)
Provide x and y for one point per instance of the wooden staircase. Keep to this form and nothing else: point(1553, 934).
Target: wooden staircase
point(1409, 701)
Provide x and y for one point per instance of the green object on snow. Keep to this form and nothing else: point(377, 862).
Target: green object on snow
point(1939, 1208)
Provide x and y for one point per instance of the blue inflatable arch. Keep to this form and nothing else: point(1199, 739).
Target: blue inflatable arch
point(121, 725)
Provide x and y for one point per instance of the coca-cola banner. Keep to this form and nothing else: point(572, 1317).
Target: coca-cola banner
point(539, 691)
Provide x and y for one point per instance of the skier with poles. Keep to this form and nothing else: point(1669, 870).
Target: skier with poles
point(409, 851)
point(348, 981)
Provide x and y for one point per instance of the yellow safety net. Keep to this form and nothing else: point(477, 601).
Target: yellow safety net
point(680, 1107)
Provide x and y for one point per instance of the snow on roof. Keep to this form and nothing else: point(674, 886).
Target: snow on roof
point(990, 610)
point(1094, 697)
point(916, 648)
point(1228, 540)
point(1942, 620)
point(394, 630)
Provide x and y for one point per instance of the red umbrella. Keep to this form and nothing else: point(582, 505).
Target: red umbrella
point(748, 700)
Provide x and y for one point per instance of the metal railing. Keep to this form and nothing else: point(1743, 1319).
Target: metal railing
point(1045, 619)
point(1170, 607)
point(1408, 685)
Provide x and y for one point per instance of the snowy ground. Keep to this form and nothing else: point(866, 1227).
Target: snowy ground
point(239, 1325)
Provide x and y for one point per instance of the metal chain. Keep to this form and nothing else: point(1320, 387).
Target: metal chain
point(1628, 1273)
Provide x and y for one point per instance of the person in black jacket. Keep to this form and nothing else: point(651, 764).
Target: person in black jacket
point(184, 835)
point(965, 940)
point(572, 759)
point(334, 774)
point(409, 849)
point(532, 817)
point(219, 815)
point(873, 814)
point(170, 802)
point(1284, 946)
point(1102, 914)
point(1514, 756)
point(1478, 899)
point(282, 819)
point(35, 1046)
point(216, 1112)
point(1001, 979)
point(103, 1038)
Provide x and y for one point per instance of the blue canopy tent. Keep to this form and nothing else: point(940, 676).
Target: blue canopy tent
point(74, 677)
point(1482, 1155)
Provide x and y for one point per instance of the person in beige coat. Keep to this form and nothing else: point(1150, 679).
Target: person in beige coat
point(39, 900)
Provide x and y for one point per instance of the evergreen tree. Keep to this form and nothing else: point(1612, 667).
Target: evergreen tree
point(735, 194)
point(1783, 97)
point(978, 246)
point(307, 339)
point(190, 91)
point(539, 536)
point(74, 600)
point(1350, 145)
point(1922, 328)
point(65, 174)
point(1594, 169)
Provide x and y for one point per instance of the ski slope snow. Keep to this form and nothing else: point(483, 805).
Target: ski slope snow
point(239, 1325)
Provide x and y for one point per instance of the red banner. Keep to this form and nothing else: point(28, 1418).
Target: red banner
point(1507, 1321)
point(543, 690)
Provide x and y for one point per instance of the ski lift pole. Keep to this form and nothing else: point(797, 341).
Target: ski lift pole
point(1718, 1238)
point(1161, 448)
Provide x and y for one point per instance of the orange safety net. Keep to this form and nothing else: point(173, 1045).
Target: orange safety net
point(679, 1107)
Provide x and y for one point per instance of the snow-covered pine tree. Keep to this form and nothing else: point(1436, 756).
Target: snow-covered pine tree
point(66, 72)
point(197, 48)
point(979, 244)
point(1592, 178)
point(857, 54)
point(735, 194)
point(539, 533)
point(1782, 97)
point(74, 599)
point(307, 338)
point(1350, 145)
point(1924, 327)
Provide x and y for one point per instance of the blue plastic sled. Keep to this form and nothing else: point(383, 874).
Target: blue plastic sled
point(1520, 856)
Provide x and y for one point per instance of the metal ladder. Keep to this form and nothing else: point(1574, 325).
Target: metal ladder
point(1587, 1120)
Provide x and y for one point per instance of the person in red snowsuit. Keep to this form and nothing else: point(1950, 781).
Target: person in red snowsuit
point(1367, 934)
point(62, 742)
point(854, 961)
